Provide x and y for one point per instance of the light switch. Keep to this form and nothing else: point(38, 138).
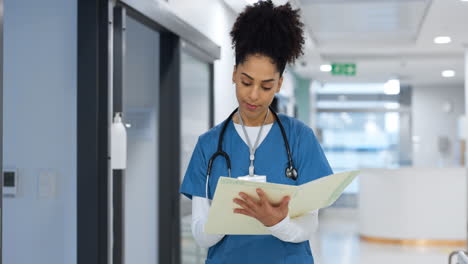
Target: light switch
point(10, 183)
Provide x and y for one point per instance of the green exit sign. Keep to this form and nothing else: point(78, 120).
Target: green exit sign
point(347, 69)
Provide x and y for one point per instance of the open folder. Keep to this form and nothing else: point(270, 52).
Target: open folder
point(307, 197)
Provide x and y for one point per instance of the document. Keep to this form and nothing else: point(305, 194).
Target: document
point(307, 197)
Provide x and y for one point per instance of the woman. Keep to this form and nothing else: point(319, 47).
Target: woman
point(265, 39)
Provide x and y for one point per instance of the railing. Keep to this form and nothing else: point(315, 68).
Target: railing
point(461, 257)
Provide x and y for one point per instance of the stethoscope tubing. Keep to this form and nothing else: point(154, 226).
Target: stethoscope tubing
point(220, 152)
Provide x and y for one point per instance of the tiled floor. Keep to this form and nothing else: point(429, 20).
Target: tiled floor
point(337, 242)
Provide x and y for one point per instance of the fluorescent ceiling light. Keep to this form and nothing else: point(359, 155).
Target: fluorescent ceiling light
point(392, 86)
point(325, 67)
point(448, 73)
point(442, 40)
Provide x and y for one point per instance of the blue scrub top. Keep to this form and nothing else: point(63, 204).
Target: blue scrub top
point(271, 160)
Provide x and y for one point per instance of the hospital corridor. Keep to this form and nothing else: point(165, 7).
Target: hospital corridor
point(233, 131)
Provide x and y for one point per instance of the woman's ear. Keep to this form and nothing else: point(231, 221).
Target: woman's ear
point(280, 83)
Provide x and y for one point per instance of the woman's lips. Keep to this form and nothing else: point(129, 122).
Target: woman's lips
point(251, 107)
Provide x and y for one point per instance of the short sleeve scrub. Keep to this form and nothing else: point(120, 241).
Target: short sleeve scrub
point(271, 160)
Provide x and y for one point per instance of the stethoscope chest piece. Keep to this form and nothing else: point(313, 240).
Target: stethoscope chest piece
point(291, 173)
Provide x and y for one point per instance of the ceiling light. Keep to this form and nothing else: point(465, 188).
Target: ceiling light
point(448, 73)
point(392, 86)
point(325, 67)
point(442, 40)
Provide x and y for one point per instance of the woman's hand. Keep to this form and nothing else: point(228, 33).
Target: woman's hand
point(265, 212)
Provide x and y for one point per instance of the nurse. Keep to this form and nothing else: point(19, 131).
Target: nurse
point(265, 38)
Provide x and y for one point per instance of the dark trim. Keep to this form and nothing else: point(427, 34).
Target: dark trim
point(119, 58)
point(118, 194)
point(118, 216)
point(169, 150)
point(1, 131)
point(160, 13)
point(92, 132)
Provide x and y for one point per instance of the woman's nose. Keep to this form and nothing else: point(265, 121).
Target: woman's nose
point(254, 93)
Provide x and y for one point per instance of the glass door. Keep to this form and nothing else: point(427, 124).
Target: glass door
point(140, 112)
point(157, 81)
point(196, 91)
point(136, 100)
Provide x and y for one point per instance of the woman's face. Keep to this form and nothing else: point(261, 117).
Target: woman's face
point(257, 80)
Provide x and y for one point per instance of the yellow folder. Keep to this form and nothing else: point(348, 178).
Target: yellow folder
point(304, 198)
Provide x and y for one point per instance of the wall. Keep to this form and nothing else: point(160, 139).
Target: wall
point(216, 26)
point(314, 86)
point(429, 122)
point(40, 130)
point(303, 101)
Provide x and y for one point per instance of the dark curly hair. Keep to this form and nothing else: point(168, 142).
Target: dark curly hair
point(276, 32)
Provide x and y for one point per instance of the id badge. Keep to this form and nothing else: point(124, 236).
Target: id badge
point(255, 178)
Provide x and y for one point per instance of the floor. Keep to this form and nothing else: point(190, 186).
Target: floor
point(337, 242)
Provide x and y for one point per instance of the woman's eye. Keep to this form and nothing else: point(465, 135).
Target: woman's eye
point(246, 84)
point(267, 88)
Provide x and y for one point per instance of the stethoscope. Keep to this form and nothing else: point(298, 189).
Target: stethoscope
point(291, 172)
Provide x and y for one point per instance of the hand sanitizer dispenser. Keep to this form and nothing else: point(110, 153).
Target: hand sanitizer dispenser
point(118, 144)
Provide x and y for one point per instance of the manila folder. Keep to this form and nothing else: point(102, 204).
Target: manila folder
point(307, 197)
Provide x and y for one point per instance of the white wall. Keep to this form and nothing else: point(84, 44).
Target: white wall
point(429, 122)
point(314, 86)
point(40, 67)
point(214, 20)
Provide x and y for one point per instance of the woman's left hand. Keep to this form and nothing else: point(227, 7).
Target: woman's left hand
point(265, 212)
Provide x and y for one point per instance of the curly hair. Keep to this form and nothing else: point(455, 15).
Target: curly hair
point(276, 32)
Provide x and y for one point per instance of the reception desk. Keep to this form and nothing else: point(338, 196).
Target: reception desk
point(416, 206)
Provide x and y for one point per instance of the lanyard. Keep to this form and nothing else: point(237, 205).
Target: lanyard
point(254, 148)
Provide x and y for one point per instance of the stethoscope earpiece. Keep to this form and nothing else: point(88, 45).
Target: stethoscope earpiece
point(291, 173)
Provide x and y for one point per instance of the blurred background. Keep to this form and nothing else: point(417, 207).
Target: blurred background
point(103, 102)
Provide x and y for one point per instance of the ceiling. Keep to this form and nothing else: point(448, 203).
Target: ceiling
point(384, 38)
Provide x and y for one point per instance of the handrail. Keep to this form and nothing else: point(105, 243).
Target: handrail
point(462, 258)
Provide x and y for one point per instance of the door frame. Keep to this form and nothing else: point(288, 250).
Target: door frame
point(93, 132)
point(98, 228)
